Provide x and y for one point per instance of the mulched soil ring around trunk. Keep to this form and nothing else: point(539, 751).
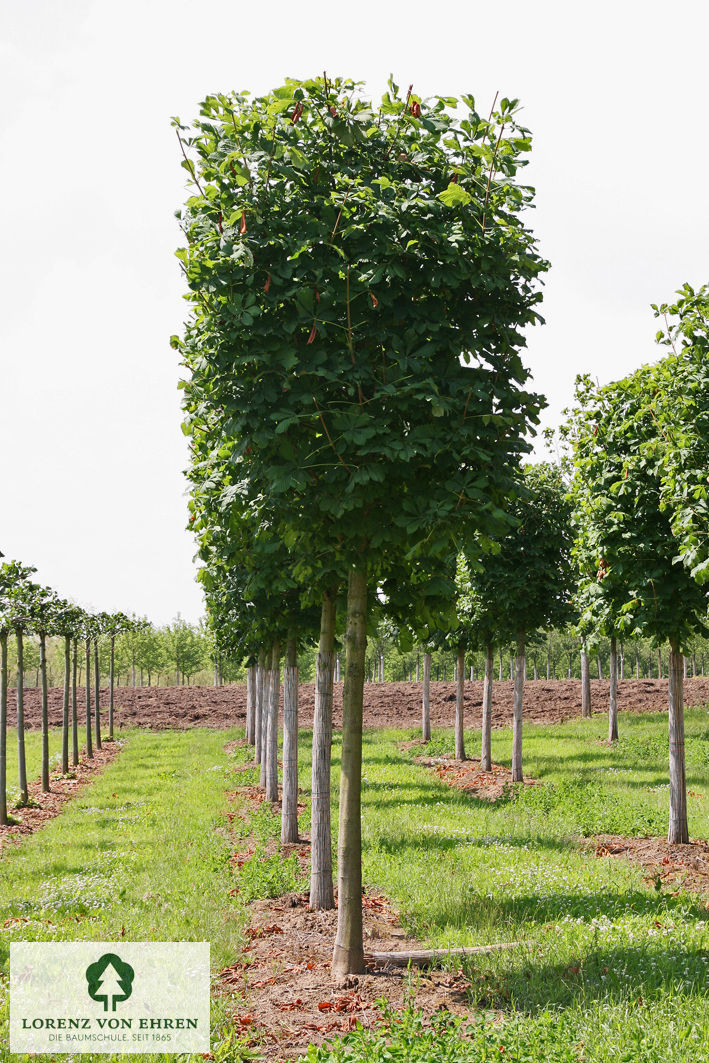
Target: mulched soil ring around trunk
point(684, 867)
point(468, 776)
point(62, 790)
point(283, 996)
point(395, 705)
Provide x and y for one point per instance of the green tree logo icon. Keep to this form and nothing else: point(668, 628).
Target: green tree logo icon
point(110, 980)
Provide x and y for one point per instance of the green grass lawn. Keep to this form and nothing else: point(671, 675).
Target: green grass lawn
point(607, 969)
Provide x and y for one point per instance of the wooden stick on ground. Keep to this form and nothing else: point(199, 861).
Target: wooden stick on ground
point(429, 957)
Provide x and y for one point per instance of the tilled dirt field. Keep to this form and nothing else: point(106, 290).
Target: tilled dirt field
point(385, 704)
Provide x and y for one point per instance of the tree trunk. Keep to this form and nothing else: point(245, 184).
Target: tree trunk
point(289, 809)
point(21, 759)
point(251, 704)
point(678, 830)
point(486, 745)
point(684, 667)
point(613, 699)
point(501, 666)
point(460, 706)
point(265, 713)
point(87, 663)
point(97, 693)
point(74, 710)
point(536, 673)
point(272, 736)
point(322, 895)
point(637, 665)
point(45, 711)
point(65, 705)
point(216, 673)
point(348, 953)
point(417, 668)
point(517, 710)
point(426, 699)
point(3, 728)
point(599, 662)
point(621, 664)
point(111, 670)
point(585, 685)
point(258, 709)
point(659, 663)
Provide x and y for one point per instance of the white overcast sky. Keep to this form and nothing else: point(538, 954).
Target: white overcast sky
point(92, 489)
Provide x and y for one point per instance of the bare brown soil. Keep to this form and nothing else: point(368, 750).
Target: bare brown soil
point(385, 704)
point(680, 866)
point(467, 775)
point(46, 806)
point(282, 993)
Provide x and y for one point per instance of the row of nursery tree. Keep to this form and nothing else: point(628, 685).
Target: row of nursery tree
point(360, 278)
point(29, 610)
point(143, 655)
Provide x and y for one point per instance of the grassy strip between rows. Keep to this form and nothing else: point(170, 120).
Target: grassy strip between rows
point(608, 969)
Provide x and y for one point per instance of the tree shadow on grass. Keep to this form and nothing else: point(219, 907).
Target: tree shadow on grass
point(614, 974)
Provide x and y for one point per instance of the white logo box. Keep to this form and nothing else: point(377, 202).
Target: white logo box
point(80, 996)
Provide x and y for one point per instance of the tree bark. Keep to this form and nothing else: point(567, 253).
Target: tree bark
point(74, 711)
point(517, 709)
point(97, 693)
point(289, 809)
point(21, 759)
point(613, 698)
point(348, 953)
point(585, 684)
point(89, 746)
point(111, 681)
point(251, 704)
point(265, 714)
point(272, 737)
point(3, 728)
point(45, 711)
point(65, 705)
point(258, 708)
point(426, 699)
point(678, 832)
point(322, 894)
point(460, 706)
point(600, 665)
point(486, 744)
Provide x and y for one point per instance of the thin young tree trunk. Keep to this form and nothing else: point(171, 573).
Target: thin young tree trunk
point(426, 699)
point(251, 704)
point(585, 684)
point(74, 711)
point(501, 666)
point(486, 745)
point(659, 663)
point(89, 746)
point(111, 667)
point(417, 668)
point(265, 712)
point(460, 706)
point(322, 894)
point(272, 735)
point(45, 711)
point(3, 728)
point(21, 759)
point(348, 953)
point(289, 808)
point(65, 705)
point(258, 709)
point(97, 693)
point(621, 664)
point(536, 673)
point(678, 832)
point(517, 709)
point(637, 665)
point(613, 699)
point(599, 662)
